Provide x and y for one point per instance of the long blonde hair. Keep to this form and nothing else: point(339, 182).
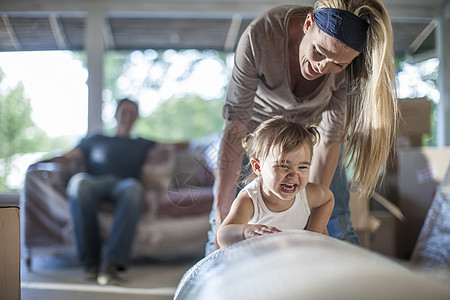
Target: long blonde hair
point(372, 110)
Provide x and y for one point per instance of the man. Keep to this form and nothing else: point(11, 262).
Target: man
point(113, 167)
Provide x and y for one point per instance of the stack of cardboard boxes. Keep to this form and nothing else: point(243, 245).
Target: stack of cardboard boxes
point(420, 170)
point(411, 179)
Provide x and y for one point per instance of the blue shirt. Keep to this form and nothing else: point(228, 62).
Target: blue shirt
point(119, 156)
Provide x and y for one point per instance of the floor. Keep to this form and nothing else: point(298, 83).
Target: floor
point(60, 277)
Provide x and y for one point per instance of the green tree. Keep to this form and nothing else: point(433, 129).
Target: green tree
point(182, 119)
point(18, 133)
point(185, 114)
point(417, 80)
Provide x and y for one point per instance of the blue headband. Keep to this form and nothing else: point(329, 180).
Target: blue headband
point(343, 25)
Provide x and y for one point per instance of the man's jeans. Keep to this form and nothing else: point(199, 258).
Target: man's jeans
point(339, 226)
point(86, 192)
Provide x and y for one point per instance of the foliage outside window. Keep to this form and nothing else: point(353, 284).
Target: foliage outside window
point(419, 80)
point(173, 106)
point(174, 102)
point(180, 93)
point(18, 133)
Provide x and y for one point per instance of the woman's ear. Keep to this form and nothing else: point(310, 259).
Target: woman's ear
point(308, 22)
point(255, 166)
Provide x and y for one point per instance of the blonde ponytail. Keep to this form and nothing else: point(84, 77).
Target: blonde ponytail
point(371, 119)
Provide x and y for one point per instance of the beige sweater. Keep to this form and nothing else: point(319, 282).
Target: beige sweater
point(259, 88)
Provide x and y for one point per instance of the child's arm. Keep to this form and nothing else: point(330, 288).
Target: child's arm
point(321, 201)
point(235, 228)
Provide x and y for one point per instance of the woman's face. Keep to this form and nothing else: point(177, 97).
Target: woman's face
point(320, 53)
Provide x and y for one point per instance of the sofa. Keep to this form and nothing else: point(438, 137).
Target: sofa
point(178, 180)
point(300, 264)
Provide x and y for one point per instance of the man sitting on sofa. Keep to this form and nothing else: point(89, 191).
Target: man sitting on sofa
point(113, 167)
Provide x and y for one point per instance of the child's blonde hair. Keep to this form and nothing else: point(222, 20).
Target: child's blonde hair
point(277, 131)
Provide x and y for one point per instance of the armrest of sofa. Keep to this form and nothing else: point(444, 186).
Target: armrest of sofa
point(178, 181)
point(47, 214)
point(48, 175)
point(158, 167)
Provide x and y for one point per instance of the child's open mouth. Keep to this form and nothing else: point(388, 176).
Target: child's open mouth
point(287, 187)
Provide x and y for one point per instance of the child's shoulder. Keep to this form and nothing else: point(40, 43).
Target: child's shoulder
point(242, 206)
point(243, 198)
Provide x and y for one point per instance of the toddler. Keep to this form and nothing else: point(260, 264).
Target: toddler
point(278, 195)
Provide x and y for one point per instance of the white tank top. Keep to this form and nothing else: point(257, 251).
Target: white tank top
point(295, 217)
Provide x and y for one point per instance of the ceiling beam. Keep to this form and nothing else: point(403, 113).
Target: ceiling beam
point(396, 8)
point(58, 34)
point(108, 36)
point(421, 37)
point(422, 56)
point(11, 34)
point(233, 32)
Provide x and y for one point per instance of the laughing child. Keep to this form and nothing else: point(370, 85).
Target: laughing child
point(278, 196)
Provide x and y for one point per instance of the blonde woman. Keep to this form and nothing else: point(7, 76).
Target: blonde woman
point(331, 65)
point(279, 195)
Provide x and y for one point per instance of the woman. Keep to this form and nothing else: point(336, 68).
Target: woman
point(331, 65)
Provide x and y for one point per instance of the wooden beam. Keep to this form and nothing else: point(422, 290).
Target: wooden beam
point(108, 37)
point(12, 35)
point(407, 8)
point(233, 32)
point(59, 35)
point(421, 37)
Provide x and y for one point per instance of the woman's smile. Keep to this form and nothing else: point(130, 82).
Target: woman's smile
point(312, 71)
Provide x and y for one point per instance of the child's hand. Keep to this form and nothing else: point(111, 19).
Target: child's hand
point(252, 230)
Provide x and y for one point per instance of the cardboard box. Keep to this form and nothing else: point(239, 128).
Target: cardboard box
point(376, 229)
point(360, 217)
point(384, 239)
point(359, 209)
point(414, 122)
point(9, 252)
point(419, 172)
